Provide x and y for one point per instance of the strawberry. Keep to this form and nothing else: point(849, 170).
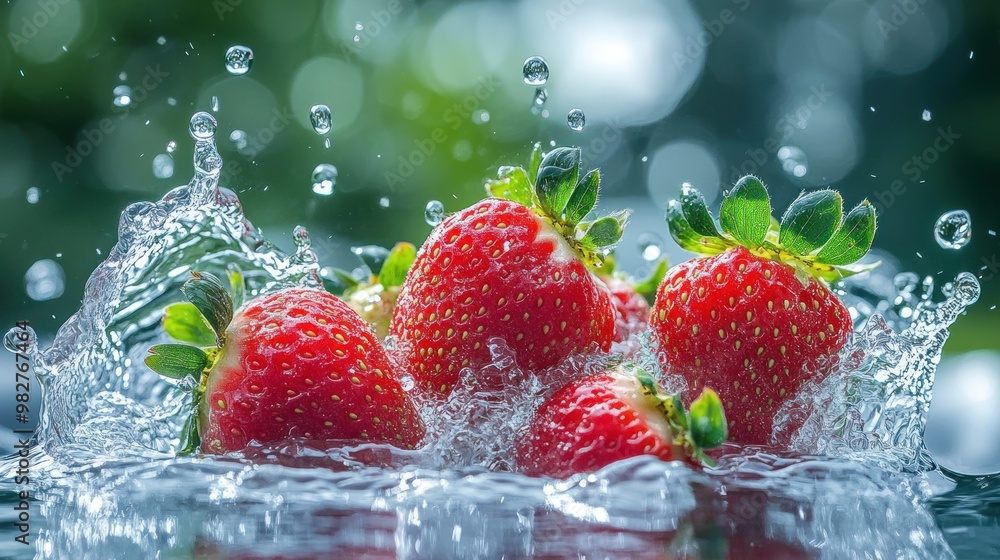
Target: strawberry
point(297, 363)
point(374, 298)
point(512, 268)
point(632, 299)
point(755, 320)
point(602, 418)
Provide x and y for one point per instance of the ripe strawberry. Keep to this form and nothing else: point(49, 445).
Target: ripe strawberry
point(594, 421)
point(297, 363)
point(632, 299)
point(755, 320)
point(509, 268)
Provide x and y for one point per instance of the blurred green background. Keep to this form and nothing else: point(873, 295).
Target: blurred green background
point(893, 100)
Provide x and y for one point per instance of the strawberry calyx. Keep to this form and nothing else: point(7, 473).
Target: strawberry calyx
point(374, 298)
point(200, 323)
point(813, 236)
point(552, 186)
point(701, 427)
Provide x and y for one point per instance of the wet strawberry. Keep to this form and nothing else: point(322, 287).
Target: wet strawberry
point(599, 419)
point(298, 363)
point(632, 299)
point(510, 269)
point(756, 320)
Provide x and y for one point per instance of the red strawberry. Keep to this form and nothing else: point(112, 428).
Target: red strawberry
point(632, 299)
point(297, 363)
point(510, 269)
point(756, 320)
point(594, 421)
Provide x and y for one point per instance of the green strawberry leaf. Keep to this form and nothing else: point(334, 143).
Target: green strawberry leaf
point(512, 184)
point(853, 239)
point(184, 323)
point(648, 286)
point(696, 211)
point(584, 198)
point(372, 256)
point(177, 361)
point(534, 162)
point(191, 433)
point(685, 235)
point(810, 221)
point(557, 177)
point(746, 212)
point(208, 294)
point(397, 264)
point(708, 420)
point(237, 284)
point(604, 232)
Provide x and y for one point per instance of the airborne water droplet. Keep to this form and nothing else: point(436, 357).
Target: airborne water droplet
point(576, 119)
point(202, 126)
point(171, 146)
point(33, 194)
point(45, 280)
point(320, 118)
point(239, 59)
point(163, 166)
point(536, 71)
point(324, 178)
point(953, 230)
point(300, 236)
point(650, 246)
point(926, 115)
point(326, 143)
point(541, 96)
point(434, 213)
point(383, 202)
point(123, 95)
point(482, 116)
point(16, 336)
point(215, 104)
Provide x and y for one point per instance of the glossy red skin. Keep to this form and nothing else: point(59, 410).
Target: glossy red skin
point(587, 425)
point(301, 364)
point(485, 273)
point(632, 308)
point(738, 363)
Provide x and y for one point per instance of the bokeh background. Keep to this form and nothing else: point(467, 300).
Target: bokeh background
point(896, 101)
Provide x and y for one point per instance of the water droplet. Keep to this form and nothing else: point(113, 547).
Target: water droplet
point(300, 236)
point(966, 288)
point(926, 115)
point(202, 126)
point(215, 104)
point(171, 101)
point(171, 146)
point(793, 161)
point(650, 246)
point(161, 40)
point(576, 119)
point(645, 159)
point(359, 26)
point(324, 178)
point(163, 166)
point(45, 280)
point(536, 71)
point(33, 194)
point(906, 282)
point(123, 75)
point(482, 116)
point(16, 336)
point(326, 143)
point(320, 118)
point(238, 138)
point(239, 59)
point(383, 202)
point(434, 213)
point(541, 96)
point(123, 95)
point(953, 230)
point(462, 150)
